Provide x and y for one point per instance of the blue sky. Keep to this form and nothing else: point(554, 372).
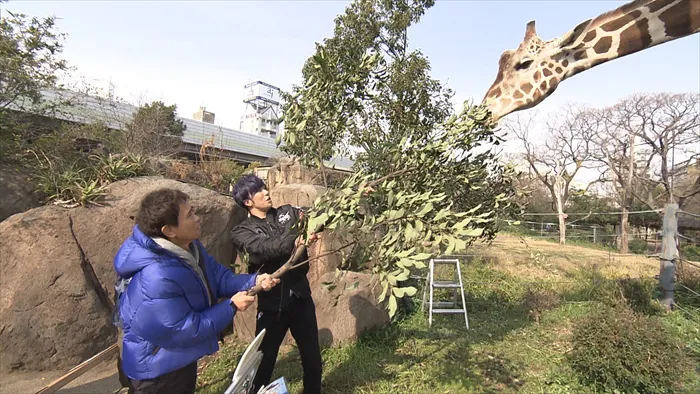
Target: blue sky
point(202, 53)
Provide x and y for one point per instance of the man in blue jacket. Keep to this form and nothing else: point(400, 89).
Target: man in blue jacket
point(167, 292)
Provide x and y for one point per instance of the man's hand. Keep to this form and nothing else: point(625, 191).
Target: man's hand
point(312, 239)
point(242, 301)
point(266, 281)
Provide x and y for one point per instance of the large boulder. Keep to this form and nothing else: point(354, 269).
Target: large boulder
point(57, 276)
point(298, 195)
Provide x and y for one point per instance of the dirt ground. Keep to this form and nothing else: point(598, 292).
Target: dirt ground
point(536, 258)
point(102, 379)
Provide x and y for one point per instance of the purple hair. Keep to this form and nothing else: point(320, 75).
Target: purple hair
point(246, 187)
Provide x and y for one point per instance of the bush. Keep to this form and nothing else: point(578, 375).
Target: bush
point(640, 295)
point(616, 349)
point(217, 174)
point(638, 246)
point(536, 301)
point(690, 252)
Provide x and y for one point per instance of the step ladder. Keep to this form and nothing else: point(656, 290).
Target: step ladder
point(455, 284)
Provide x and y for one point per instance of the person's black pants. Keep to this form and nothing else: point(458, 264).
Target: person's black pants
point(300, 318)
point(180, 381)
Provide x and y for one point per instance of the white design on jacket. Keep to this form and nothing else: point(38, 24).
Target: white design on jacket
point(284, 218)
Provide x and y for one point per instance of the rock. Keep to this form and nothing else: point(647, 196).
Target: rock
point(298, 195)
point(57, 271)
point(289, 170)
point(17, 193)
point(350, 309)
point(51, 314)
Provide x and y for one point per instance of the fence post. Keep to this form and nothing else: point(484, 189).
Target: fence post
point(594, 238)
point(667, 275)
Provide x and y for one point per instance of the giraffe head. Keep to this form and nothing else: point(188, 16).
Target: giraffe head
point(529, 74)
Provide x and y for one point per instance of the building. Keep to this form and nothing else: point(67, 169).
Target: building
point(204, 116)
point(262, 110)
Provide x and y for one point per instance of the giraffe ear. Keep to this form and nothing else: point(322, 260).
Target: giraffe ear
point(574, 36)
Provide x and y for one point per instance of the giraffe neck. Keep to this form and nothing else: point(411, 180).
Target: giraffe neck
point(629, 29)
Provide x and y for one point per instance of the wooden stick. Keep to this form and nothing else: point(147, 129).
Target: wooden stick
point(79, 370)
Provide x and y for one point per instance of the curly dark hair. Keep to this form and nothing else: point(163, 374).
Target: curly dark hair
point(160, 208)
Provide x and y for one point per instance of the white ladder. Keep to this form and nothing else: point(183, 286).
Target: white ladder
point(455, 284)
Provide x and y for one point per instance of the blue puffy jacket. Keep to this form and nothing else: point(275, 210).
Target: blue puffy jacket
point(165, 312)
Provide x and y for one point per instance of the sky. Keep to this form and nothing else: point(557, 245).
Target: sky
point(202, 53)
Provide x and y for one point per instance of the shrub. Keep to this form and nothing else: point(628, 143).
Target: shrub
point(112, 168)
point(217, 174)
point(638, 246)
point(616, 349)
point(640, 295)
point(688, 286)
point(536, 301)
point(690, 252)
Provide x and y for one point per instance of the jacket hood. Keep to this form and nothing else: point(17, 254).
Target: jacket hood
point(137, 252)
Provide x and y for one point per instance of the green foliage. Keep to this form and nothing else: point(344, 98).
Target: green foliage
point(435, 184)
point(537, 300)
point(690, 252)
point(65, 174)
point(112, 168)
point(406, 217)
point(640, 295)
point(638, 246)
point(217, 174)
point(154, 131)
point(617, 350)
point(29, 59)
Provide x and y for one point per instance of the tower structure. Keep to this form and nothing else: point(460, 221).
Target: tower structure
point(262, 109)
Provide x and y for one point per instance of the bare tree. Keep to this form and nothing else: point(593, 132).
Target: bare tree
point(641, 139)
point(566, 149)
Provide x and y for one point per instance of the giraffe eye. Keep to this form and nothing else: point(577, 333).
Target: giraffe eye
point(523, 64)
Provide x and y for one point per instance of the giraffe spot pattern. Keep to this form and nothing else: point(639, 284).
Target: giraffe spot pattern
point(526, 87)
point(682, 18)
point(580, 55)
point(659, 4)
point(619, 23)
point(603, 45)
point(558, 70)
point(546, 72)
point(565, 63)
point(634, 38)
point(590, 36)
point(577, 70)
point(518, 94)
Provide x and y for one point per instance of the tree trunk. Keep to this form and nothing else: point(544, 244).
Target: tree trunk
point(559, 191)
point(562, 228)
point(624, 231)
point(669, 252)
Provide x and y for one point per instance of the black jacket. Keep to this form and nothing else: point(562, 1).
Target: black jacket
point(269, 243)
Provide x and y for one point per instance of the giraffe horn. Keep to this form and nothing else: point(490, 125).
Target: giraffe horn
point(530, 30)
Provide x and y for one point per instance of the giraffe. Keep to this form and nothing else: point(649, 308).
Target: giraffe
point(529, 74)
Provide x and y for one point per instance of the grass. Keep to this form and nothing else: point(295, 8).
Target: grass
point(505, 350)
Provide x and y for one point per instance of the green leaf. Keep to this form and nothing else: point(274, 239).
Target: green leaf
point(426, 208)
point(392, 305)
